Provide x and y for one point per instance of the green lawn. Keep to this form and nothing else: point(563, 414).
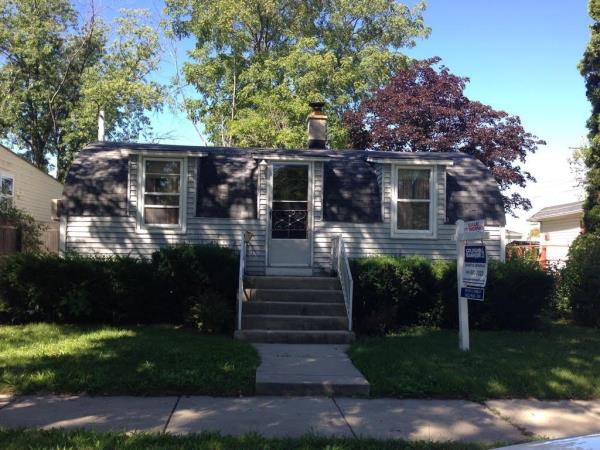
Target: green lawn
point(140, 360)
point(83, 440)
point(560, 362)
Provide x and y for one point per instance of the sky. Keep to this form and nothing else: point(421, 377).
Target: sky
point(521, 57)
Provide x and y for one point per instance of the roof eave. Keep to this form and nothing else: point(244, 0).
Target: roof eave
point(165, 154)
point(411, 161)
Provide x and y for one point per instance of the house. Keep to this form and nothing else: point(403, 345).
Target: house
point(135, 198)
point(559, 226)
point(27, 187)
point(301, 212)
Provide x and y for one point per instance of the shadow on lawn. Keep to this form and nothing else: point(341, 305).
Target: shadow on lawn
point(128, 360)
point(550, 364)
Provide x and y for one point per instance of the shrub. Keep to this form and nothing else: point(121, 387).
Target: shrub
point(517, 293)
point(195, 284)
point(199, 279)
point(396, 292)
point(79, 289)
point(580, 280)
point(29, 230)
point(391, 293)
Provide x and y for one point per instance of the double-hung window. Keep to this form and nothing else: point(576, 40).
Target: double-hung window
point(7, 187)
point(162, 188)
point(413, 202)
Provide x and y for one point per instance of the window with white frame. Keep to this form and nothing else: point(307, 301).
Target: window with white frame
point(7, 187)
point(162, 203)
point(413, 201)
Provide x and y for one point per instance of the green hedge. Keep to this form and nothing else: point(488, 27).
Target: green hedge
point(392, 293)
point(579, 287)
point(177, 285)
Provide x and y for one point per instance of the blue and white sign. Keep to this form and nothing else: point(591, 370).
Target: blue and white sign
point(475, 266)
point(471, 271)
point(472, 293)
point(475, 254)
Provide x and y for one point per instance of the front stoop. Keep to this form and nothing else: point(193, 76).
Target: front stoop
point(294, 310)
point(298, 369)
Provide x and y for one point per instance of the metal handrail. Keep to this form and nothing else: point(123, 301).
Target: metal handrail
point(342, 268)
point(241, 294)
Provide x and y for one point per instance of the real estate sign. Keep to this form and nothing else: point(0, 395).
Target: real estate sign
point(471, 270)
point(473, 230)
point(474, 273)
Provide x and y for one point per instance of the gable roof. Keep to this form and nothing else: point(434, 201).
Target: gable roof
point(99, 174)
point(566, 209)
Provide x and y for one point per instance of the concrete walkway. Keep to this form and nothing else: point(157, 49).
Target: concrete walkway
point(437, 420)
point(308, 369)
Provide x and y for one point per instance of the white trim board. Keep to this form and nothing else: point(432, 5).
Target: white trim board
point(411, 162)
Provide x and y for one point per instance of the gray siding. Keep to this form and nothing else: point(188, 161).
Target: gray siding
point(375, 238)
point(120, 235)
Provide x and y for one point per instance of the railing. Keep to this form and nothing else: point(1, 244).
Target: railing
point(341, 266)
point(241, 292)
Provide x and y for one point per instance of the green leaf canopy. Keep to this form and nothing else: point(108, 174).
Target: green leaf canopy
point(258, 63)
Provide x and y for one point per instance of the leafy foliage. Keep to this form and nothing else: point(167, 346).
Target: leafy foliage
point(29, 230)
point(580, 283)
point(182, 284)
point(423, 108)
point(393, 293)
point(590, 69)
point(257, 64)
point(57, 72)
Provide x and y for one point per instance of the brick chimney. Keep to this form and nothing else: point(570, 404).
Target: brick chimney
point(317, 126)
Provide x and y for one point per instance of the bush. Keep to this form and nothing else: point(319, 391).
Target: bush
point(516, 295)
point(392, 293)
point(29, 230)
point(180, 284)
point(580, 281)
point(200, 279)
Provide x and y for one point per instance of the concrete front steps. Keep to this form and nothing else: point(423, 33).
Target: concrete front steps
point(294, 310)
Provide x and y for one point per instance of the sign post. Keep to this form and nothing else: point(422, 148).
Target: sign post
point(471, 268)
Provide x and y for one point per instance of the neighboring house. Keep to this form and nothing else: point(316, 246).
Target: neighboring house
point(559, 226)
point(123, 198)
point(27, 187)
point(512, 236)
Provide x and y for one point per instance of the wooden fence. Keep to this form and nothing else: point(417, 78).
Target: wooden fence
point(51, 236)
point(10, 238)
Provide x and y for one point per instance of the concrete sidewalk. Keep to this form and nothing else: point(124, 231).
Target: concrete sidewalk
point(437, 420)
point(308, 369)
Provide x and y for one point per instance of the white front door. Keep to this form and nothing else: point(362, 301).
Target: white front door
point(290, 215)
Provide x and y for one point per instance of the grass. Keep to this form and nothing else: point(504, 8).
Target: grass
point(559, 362)
point(140, 360)
point(82, 440)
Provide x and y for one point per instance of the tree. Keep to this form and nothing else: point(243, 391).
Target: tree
point(423, 108)
point(58, 71)
point(258, 63)
point(590, 70)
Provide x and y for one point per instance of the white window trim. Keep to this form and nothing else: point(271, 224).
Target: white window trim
point(8, 175)
point(431, 233)
point(141, 190)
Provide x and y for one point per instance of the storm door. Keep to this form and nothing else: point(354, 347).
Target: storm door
point(289, 234)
